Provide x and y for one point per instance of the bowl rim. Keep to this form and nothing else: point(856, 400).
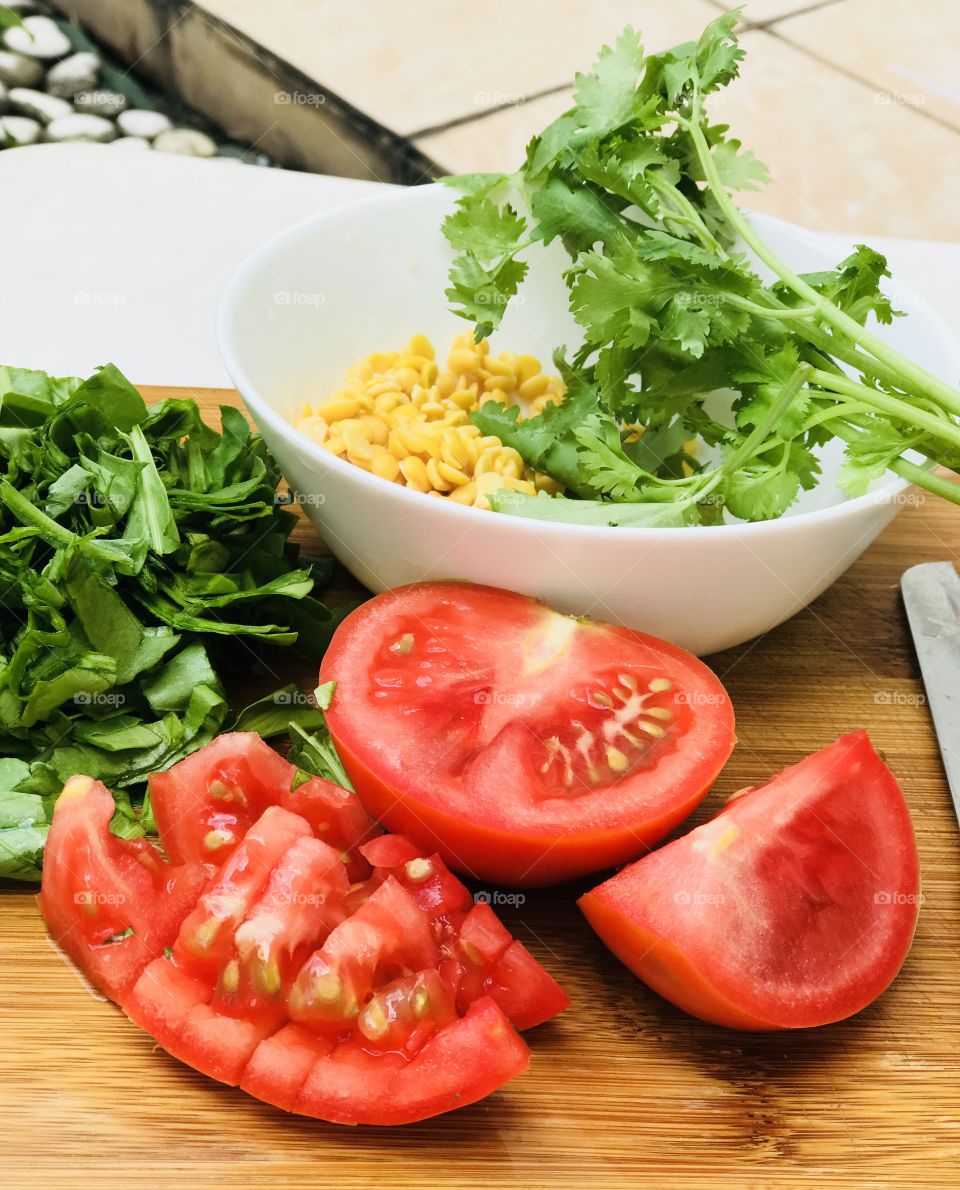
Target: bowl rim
point(262, 409)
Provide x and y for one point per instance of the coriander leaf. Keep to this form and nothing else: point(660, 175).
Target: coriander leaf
point(482, 228)
point(605, 469)
point(707, 64)
point(868, 457)
point(580, 217)
point(739, 168)
point(760, 491)
point(607, 302)
point(478, 184)
point(545, 441)
point(604, 98)
point(855, 285)
point(689, 326)
point(314, 755)
point(660, 245)
point(554, 144)
point(482, 293)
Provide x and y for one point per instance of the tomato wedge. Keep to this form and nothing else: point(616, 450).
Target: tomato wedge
point(112, 904)
point(359, 986)
point(525, 746)
point(794, 907)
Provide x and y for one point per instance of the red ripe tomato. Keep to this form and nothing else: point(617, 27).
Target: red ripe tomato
point(205, 805)
point(524, 746)
point(794, 907)
point(112, 904)
point(379, 998)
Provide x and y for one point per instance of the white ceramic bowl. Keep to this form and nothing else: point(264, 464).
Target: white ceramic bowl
point(327, 292)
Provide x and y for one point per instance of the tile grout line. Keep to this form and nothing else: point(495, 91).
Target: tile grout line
point(852, 76)
point(748, 23)
point(475, 117)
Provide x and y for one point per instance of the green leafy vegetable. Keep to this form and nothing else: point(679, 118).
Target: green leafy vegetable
point(699, 386)
point(133, 541)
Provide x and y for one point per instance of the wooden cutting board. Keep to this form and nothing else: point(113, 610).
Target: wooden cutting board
point(623, 1089)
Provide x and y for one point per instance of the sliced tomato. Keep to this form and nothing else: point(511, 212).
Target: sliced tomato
point(524, 746)
point(460, 1064)
point(336, 816)
point(379, 1000)
point(794, 907)
point(112, 904)
point(207, 936)
point(463, 1062)
point(478, 956)
point(206, 803)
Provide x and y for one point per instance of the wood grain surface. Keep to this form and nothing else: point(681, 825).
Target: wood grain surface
point(623, 1089)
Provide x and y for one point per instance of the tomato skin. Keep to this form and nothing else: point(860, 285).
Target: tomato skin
point(805, 928)
point(665, 968)
point(462, 1063)
point(458, 709)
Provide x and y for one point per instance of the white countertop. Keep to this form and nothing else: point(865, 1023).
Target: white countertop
point(118, 256)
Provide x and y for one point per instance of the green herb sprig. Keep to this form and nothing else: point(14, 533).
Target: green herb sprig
point(665, 283)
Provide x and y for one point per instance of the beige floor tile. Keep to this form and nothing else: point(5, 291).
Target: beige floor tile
point(495, 142)
point(841, 161)
point(417, 64)
point(908, 49)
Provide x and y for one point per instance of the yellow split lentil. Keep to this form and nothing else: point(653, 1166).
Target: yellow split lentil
point(402, 417)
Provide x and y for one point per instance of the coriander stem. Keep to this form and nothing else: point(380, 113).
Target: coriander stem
point(759, 432)
point(911, 414)
point(912, 373)
point(921, 476)
point(691, 216)
point(829, 345)
point(828, 413)
point(785, 313)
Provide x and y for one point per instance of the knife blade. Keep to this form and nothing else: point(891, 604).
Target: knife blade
point(931, 594)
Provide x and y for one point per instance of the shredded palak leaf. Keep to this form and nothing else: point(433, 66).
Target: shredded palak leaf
point(136, 545)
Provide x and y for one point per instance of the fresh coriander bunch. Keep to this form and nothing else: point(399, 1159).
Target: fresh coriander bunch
point(636, 182)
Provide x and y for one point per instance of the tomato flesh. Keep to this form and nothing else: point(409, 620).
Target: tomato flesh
point(794, 907)
point(357, 985)
point(205, 804)
point(110, 903)
point(522, 745)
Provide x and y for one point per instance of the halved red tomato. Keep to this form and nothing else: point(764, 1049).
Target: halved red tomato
point(379, 1000)
point(524, 746)
point(794, 907)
